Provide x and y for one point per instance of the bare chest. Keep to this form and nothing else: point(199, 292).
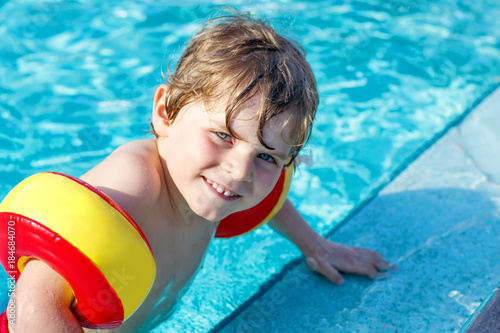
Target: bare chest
point(178, 256)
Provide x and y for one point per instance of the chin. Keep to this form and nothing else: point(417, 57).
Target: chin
point(211, 215)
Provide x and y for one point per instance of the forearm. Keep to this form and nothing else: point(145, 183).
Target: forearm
point(42, 302)
point(33, 320)
point(289, 223)
point(324, 256)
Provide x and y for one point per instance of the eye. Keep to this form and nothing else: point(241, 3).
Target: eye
point(266, 157)
point(223, 136)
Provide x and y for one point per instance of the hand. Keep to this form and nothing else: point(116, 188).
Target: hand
point(328, 258)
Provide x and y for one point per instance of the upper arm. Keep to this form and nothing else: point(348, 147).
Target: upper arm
point(130, 177)
point(42, 300)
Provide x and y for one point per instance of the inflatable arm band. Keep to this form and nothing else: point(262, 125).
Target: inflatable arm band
point(85, 237)
point(247, 220)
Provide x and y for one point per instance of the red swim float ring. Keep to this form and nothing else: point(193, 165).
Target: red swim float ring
point(247, 220)
point(86, 238)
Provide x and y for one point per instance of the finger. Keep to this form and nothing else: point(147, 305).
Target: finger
point(374, 258)
point(383, 276)
point(331, 274)
point(327, 271)
point(373, 271)
point(362, 267)
point(312, 263)
point(380, 263)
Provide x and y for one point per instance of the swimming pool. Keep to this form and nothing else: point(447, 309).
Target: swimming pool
point(77, 80)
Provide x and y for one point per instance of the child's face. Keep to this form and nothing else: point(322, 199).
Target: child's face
point(214, 173)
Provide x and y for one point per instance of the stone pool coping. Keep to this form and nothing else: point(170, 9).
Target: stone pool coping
point(455, 183)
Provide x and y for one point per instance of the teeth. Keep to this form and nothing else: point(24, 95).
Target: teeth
point(221, 189)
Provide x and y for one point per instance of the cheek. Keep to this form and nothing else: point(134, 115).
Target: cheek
point(206, 148)
point(266, 181)
point(204, 153)
point(187, 153)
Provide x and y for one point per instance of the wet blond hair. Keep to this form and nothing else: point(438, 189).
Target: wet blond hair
point(238, 57)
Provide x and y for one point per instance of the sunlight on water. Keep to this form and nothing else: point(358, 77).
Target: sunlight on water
point(77, 80)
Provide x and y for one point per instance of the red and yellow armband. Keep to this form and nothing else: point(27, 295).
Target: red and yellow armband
point(85, 237)
point(245, 221)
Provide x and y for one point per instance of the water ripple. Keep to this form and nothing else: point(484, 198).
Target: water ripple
point(77, 80)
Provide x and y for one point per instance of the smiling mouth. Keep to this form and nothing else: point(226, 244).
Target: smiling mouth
point(219, 188)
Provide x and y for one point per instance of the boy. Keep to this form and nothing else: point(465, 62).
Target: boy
point(237, 110)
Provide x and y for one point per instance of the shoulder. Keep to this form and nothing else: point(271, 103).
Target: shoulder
point(131, 176)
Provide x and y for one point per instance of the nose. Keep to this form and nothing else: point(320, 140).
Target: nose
point(239, 166)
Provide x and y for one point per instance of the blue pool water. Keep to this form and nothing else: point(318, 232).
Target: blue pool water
point(77, 80)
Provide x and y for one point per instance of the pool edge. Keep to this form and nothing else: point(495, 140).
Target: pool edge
point(276, 278)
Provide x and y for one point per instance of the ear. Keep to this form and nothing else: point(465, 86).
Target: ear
point(160, 119)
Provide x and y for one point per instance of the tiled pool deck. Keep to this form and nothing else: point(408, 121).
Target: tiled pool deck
point(438, 221)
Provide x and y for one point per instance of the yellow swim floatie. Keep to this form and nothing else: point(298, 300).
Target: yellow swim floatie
point(86, 238)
